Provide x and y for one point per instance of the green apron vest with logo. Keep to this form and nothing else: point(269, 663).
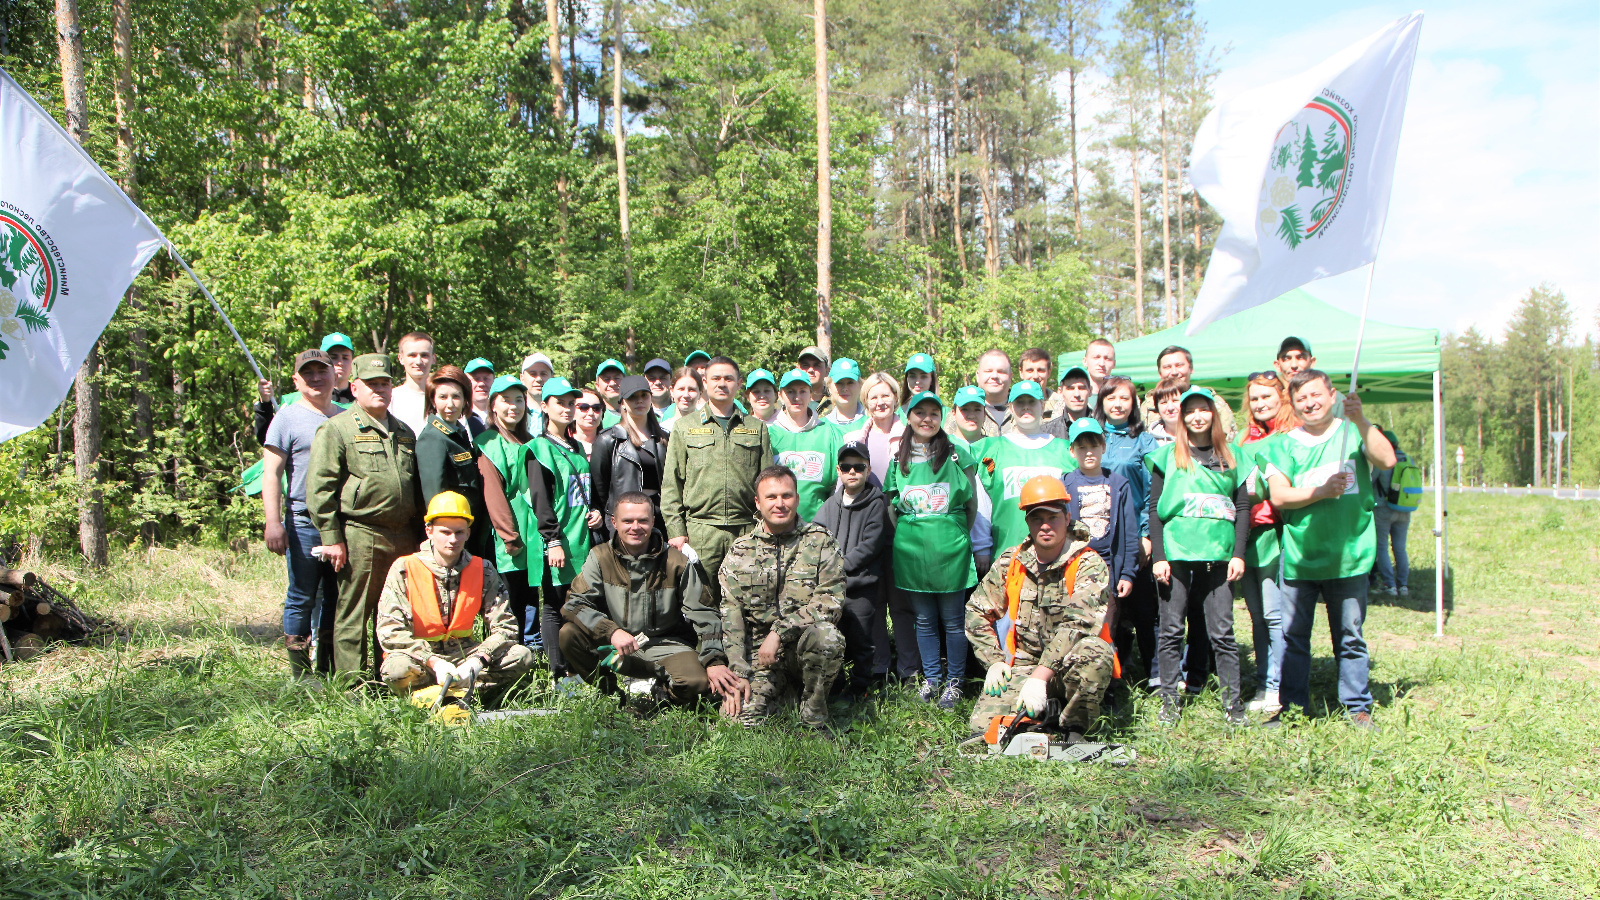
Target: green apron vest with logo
point(1013, 466)
point(932, 548)
point(1329, 538)
point(1262, 551)
point(1196, 509)
point(510, 459)
point(813, 457)
point(570, 498)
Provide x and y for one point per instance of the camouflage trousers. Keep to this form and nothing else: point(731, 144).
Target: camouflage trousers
point(809, 665)
point(1081, 684)
point(404, 675)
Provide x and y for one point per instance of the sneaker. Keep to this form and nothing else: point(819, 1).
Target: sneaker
point(950, 696)
point(1235, 716)
point(1169, 713)
point(1264, 700)
point(1362, 720)
point(1403, 591)
point(927, 691)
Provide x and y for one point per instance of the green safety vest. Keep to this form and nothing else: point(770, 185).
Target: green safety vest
point(1003, 468)
point(511, 459)
point(813, 456)
point(1262, 551)
point(932, 549)
point(1196, 509)
point(1329, 538)
point(570, 498)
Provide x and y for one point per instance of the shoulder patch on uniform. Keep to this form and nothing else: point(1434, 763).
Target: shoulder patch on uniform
point(702, 431)
point(405, 440)
point(439, 425)
point(463, 456)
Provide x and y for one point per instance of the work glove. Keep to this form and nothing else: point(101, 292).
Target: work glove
point(612, 660)
point(471, 668)
point(1033, 697)
point(443, 669)
point(994, 683)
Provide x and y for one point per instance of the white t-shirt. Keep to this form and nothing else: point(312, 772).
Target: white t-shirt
point(406, 405)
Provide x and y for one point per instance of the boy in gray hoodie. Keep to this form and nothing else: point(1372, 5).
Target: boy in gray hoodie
point(857, 515)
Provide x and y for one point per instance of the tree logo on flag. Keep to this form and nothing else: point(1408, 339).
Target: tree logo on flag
point(1309, 170)
point(30, 277)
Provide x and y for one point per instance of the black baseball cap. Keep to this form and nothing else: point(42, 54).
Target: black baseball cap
point(1293, 343)
point(658, 364)
point(855, 448)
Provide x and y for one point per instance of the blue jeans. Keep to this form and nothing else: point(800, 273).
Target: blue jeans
point(1392, 525)
point(312, 592)
point(948, 611)
point(1266, 602)
point(1346, 599)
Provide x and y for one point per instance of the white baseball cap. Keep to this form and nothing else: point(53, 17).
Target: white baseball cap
point(537, 358)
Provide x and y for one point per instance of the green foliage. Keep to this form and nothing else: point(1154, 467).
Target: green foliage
point(1290, 227)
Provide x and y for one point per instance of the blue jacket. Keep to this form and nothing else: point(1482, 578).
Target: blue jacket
point(1118, 545)
point(1125, 456)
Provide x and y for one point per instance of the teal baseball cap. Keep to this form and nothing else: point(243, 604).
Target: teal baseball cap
point(793, 375)
point(921, 362)
point(556, 387)
point(844, 369)
point(337, 339)
point(694, 355)
point(1084, 426)
point(969, 394)
point(921, 396)
point(506, 383)
point(759, 375)
point(1026, 388)
point(479, 363)
point(1079, 371)
point(610, 364)
point(1198, 392)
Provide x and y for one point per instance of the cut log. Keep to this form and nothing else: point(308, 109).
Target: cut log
point(6, 612)
point(27, 646)
point(42, 608)
point(52, 627)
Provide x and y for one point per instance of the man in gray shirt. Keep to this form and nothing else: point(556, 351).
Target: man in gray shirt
point(311, 596)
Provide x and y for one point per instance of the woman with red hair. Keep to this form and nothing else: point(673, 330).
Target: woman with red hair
point(1270, 414)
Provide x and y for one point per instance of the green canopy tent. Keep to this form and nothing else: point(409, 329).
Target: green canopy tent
point(1398, 365)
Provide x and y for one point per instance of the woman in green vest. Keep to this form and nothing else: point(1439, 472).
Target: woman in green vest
point(447, 456)
point(1270, 415)
point(933, 502)
point(558, 491)
point(1199, 525)
point(504, 466)
point(807, 445)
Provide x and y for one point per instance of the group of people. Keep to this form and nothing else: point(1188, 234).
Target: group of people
point(754, 538)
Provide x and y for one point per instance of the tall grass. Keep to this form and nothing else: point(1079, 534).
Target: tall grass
point(180, 762)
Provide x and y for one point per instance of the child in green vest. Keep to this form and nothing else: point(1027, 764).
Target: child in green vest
point(504, 467)
point(1005, 463)
point(805, 443)
point(558, 488)
point(932, 500)
point(1199, 524)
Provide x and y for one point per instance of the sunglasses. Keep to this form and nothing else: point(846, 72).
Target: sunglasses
point(586, 407)
point(852, 467)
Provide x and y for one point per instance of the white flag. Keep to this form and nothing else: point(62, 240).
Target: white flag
point(1300, 171)
point(70, 244)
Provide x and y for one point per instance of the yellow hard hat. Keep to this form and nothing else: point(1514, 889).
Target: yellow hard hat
point(448, 504)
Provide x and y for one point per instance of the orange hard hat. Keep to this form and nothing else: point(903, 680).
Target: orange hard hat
point(1043, 490)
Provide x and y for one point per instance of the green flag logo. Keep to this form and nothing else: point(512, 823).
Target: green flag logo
point(1308, 171)
point(30, 277)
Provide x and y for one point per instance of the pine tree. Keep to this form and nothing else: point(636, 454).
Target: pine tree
point(1308, 161)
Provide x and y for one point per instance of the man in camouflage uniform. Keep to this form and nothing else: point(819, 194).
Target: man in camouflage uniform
point(365, 499)
point(1062, 598)
point(781, 590)
point(416, 654)
point(712, 461)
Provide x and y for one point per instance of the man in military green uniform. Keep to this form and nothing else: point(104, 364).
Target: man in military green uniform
point(366, 502)
point(1037, 628)
point(644, 610)
point(781, 590)
point(707, 489)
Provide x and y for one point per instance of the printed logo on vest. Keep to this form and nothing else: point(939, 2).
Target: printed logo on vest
point(1207, 506)
point(927, 499)
point(1017, 476)
point(806, 465)
point(1317, 477)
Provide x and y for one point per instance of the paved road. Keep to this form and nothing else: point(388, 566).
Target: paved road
point(1565, 493)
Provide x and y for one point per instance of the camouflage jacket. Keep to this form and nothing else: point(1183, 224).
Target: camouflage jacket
point(1049, 621)
point(777, 581)
point(395, 633)
point(658, 593)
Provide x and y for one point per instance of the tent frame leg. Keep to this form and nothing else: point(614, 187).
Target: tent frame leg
point(1441, 545)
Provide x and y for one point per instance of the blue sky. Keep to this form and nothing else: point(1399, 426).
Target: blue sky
point(1497, 185)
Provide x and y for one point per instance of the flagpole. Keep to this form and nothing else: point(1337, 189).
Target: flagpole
point(173, 252)
point(1361, 326)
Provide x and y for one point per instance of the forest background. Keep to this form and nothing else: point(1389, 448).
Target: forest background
point(1004, 173)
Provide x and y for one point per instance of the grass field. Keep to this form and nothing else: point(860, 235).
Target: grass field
point(182, 763)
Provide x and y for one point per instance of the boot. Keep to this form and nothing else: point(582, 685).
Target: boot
point(814, 698)
point(324, 652)
point(298, 649)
